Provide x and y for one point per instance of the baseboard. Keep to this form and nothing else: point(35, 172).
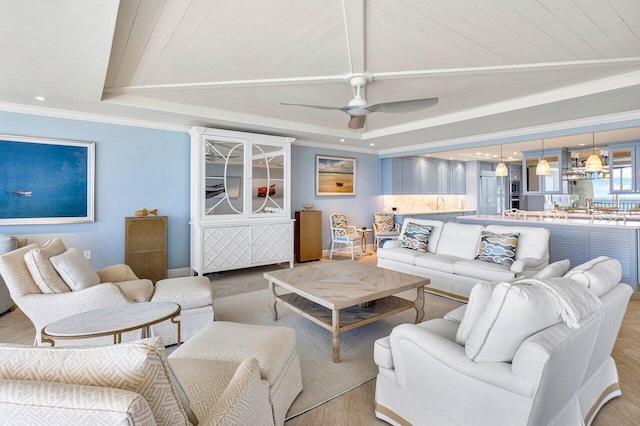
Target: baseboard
point(180, 272)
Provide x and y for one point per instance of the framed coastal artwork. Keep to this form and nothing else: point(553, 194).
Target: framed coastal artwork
point(46, 181)
point(335, 175)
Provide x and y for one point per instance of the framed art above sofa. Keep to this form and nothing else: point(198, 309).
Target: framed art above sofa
point(46, 180)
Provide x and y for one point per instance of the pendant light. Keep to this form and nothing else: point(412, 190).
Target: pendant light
point(501, 168)
point(543, 167)
point(593, 164)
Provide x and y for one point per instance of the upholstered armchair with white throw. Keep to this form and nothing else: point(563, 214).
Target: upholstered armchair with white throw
point(384, 228)
point(535, 351)
point(50, 283)
point(343, 234)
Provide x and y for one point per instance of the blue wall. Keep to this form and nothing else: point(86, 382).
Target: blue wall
point(358, 208)
point(135, 168)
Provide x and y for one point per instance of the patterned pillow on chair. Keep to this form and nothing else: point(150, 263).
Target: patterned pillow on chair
point(498, 248)
point(384, 222)
point(415, 237)
point(338, 221)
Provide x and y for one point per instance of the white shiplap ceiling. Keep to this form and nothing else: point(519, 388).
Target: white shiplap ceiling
point(495, 65)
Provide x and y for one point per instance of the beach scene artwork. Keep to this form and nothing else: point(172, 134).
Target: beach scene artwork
point(45, 182)
point(335, 175)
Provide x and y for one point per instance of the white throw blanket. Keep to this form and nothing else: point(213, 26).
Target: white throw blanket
point(572, 301)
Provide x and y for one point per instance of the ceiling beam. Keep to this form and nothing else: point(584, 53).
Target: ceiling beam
point(355, 26)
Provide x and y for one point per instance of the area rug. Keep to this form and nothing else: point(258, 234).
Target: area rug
point(322, 378)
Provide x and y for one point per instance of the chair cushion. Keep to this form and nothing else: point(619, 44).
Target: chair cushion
point(384, 221)
point(478, 299)
point(533, 242)
point(415, 237)
point(498, 248)
point(598, 275)
point(136, 290)
point(387, 234)
point(42, 270)
point(482, 270)
point(514, 312)
point(437, 262)
point(8, 243)
point(188, 292)
point(139, 367)
point(554, 270)
point(75, 270)
point(460, 240)
point(399, 254)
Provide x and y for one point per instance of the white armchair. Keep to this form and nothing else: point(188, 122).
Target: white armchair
point(384, 228)
point(343, 234)
point(118, 286)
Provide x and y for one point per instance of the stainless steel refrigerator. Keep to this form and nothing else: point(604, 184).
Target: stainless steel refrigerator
point(492, 193)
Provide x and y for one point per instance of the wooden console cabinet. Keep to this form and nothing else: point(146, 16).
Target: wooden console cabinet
point(145, 246)
point(308, 235)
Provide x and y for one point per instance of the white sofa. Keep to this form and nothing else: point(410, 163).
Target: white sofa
point(556, 376)
point(450, 261)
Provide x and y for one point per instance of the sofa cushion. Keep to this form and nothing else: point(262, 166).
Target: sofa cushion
point(598, 275)
point(399, 254)
point(498, 248)
point(554, 270)
point(461, 240)
point(438, 262)
point(514, 312)
point(42, 270)
point(486, 271)
point(478, 299)
point(75, 270)
point(139, 367)
point(136, 290)
point(434, 237)
point(533, 242)
point(415, 237)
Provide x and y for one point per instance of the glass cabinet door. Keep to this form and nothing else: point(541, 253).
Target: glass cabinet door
point(552, 182)
point(268, 180)
point(621, 169)
point(224, 177)
point(531, 180)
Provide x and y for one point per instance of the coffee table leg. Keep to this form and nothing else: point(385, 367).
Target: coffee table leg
point(419, 304)
point(335, 324)
point(272, 299)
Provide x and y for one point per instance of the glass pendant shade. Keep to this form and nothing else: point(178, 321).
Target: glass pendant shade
point(593, 164)
point(501, 170)
point(543, 168)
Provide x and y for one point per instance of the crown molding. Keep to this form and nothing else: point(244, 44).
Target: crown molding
point(336, 147)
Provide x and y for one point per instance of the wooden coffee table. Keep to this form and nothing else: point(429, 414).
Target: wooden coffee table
point(335, 295)
point(114, 321)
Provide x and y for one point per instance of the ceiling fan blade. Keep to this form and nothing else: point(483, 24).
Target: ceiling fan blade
point(311, 106)
point(357, 122)
point(403, 106)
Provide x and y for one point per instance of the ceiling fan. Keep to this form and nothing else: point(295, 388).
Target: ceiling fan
point(358, 108)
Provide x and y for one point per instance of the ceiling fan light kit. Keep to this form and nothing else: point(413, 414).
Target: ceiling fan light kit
point(358, 108)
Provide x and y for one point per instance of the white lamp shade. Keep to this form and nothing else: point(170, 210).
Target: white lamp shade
point(593, 164)
point(543, 168)
point(501, 170)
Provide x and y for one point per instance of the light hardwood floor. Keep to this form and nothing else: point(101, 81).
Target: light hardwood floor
point(356, 407)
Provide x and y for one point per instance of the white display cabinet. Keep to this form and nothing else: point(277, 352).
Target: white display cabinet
point(240, 200)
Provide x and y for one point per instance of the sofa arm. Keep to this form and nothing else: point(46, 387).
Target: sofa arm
point(521, 265)
point(391, 244)
point(419, 354)
point(116, 274)
point(40, 402)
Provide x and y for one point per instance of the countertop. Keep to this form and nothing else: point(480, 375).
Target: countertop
point(571, 221)
point(433, 212)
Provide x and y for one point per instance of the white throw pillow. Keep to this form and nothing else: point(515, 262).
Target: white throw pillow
point(42, 270)
point(554, 270)
point(514, 312)
point(75, 270)
point(598, 275)
point(478, 299)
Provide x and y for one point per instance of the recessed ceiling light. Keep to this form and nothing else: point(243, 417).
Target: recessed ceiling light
point(478, 153)
point(450, 158)
point(341, 140)
point(515, 152)
point(41, 98)
point(495, 156)
point(582, 144)
point(487, 155)
point(372, 144)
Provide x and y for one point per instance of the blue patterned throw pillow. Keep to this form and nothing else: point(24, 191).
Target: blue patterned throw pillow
point(498, 248)
point(415, 237)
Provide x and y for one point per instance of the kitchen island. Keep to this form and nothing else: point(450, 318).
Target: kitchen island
point(582, 239)
point(445, 215)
